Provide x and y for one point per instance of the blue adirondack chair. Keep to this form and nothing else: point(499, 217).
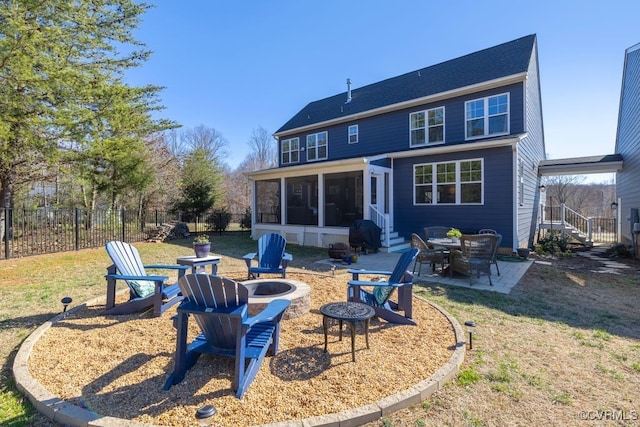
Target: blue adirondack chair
point(379, 298)
point(272, 258)
point(144, 290)
point(220, 307)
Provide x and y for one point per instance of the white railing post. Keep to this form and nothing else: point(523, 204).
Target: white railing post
point(590, 229)
point(382, 221)
point(563, 219)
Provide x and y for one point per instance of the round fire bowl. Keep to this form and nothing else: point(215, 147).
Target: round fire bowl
point(263, 291)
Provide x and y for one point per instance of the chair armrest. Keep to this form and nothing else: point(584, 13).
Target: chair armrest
point(169, 267)
point(249, 257)
point(367, 283)
point(274, 309)
point(286, 259)
point(147, 278)
point(380, 272)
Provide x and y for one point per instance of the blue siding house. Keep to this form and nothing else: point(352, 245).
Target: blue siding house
point(628, 146)
point(455, 144)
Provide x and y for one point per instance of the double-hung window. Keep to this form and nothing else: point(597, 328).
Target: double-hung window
point(317, 146)
point(426, 127)
point(487, 116)
point(446, 183)
point(290, 149)
point(353, 134)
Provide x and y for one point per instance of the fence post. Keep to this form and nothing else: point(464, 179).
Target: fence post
point(6, 233)
point(156, 217)
point(76, 228)
point(123, 224)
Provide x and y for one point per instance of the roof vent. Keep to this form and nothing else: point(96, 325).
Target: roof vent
point(348, 91)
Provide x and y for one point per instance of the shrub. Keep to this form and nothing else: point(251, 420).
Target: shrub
point(218, 220)
point(620, 250)
point(553, 243)
point(245, 222)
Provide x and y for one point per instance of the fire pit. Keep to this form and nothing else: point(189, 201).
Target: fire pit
point(338, 251)
point(263, 291)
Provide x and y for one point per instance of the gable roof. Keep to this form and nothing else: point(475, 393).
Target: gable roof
point(485, 65)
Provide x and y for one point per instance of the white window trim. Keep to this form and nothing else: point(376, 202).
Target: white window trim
point(290, 151)
point(458, 183)
point(486, 116)
point(349, 134)
point(426, 127)
point(326, 138)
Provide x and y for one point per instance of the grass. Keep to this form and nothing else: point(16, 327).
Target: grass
point(565, 340)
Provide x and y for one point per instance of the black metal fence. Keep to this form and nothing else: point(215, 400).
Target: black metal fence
point(603, 230)
point(39, 231)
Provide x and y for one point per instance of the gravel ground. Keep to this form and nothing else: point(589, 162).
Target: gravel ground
point(117, 365)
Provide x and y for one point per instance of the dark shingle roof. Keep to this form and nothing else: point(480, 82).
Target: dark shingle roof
point(605, 158)
point(495, 62)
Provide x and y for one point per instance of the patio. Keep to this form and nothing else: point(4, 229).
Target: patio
point(510, 272)
point(122, 378)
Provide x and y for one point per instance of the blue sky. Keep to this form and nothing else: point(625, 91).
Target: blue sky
point(235, 66)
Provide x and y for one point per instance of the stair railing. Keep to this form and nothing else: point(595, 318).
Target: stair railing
point(382, 220)
point(577, 221)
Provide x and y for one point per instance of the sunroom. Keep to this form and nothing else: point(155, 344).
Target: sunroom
point(315, 204)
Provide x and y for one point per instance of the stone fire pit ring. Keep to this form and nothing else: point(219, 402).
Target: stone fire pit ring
point(263, 291)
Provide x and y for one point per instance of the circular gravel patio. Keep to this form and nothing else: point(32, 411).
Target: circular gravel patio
point(83, 368)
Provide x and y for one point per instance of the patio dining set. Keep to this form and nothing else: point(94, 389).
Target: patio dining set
point(447, 254)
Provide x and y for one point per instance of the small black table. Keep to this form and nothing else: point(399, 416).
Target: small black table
point(350, 312)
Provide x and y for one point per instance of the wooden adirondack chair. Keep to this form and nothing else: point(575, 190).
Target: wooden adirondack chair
point(379, 298)
point(271, 254)
point(144, 290)
point(220, 307)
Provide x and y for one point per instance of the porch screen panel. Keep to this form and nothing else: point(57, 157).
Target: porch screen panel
point(268, 201)
point(343, 198)
point(302, 200)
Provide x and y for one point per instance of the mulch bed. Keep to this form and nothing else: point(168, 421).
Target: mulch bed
point(117, 365)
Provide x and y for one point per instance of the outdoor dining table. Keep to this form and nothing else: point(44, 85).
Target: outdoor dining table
point(446, 243)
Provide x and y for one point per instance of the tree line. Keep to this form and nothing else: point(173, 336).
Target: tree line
point(74, 133)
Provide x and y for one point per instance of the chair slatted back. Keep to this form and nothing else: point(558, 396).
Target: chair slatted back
point(126, 258)
point(271, 247)
point(220, 295)
point(402, 265)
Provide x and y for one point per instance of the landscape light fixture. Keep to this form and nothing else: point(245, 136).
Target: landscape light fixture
point(471, 327)
point(204, 413)
point(65, 302)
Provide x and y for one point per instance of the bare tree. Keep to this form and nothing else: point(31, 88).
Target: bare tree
point(562, 187)
point(207, 139)
point(264, 152)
